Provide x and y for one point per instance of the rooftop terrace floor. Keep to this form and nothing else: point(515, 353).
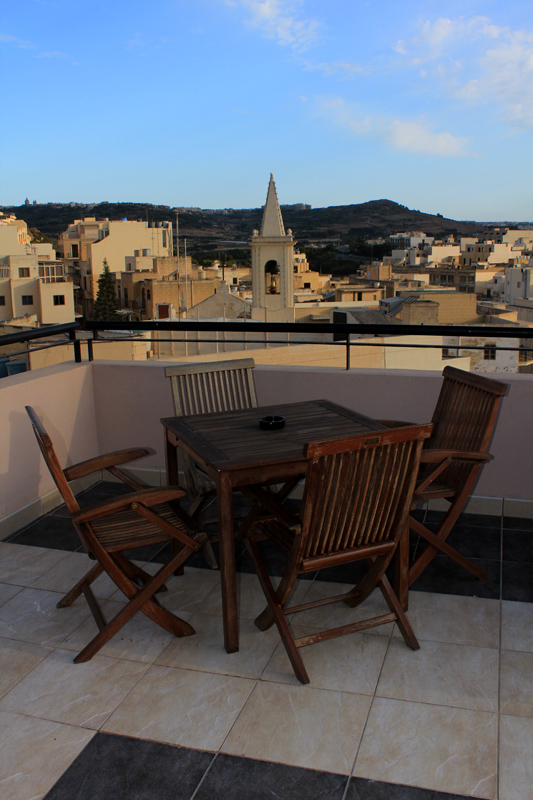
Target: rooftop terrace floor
point(152, 716)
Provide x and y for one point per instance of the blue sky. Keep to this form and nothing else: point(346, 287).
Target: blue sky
point(195, 102)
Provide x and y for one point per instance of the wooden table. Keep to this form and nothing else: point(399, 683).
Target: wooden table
point(235, 451)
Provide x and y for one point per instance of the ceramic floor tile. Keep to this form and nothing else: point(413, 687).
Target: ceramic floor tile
point(336, 614)
point(119, 768)
point(516, 758)
point(76, 694)
point(177, 706)
point(140, 639)
point(185, 593)
point(34, 753)
point(444, 674)
point(64, 575)
point(7, 591)
point(517, 626)
point(234, 778)
point(347, 664)
point(16, 660)
point(434, 747)
point(32, 616)
point(250, 598)
point(516, 683)
point(454, 619)
point(22, 564)
point(300, 725)
point(205, 650)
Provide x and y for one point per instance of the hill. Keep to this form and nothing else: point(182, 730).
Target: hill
point(205, 229)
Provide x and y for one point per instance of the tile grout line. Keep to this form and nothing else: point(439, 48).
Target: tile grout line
point(370, 708)
point(204, 776)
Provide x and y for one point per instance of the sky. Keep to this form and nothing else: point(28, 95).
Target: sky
point(196, 102)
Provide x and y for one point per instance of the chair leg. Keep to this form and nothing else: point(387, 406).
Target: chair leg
point(140, 600)
point(437, 542)
point(279, 617)
point(77, 590)
point(401, 618)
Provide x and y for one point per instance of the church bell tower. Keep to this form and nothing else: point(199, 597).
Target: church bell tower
point(272, 259)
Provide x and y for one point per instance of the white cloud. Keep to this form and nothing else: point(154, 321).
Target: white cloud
point(15, 42)
point(341, 69)
point(415, 137)
point(479, 63)
point(280, 20)
point(410, 136)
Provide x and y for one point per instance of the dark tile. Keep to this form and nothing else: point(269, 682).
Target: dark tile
point(476, 541)
point(517, 581)
point(446, 576)
point(518, 546)
point(121, 768)
point(518, 523)
point(51, 531)
point(275, 559)
point(235, 778)
point(362, 789)
point(481, 520)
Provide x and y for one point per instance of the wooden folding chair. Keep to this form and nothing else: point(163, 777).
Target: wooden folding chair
point(141, 518)
point(205, 389)
point(355, 506)
point(463, 425)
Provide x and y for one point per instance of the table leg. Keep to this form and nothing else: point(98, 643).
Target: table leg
point(171, 457)
point(401, 569)
point(227, 564)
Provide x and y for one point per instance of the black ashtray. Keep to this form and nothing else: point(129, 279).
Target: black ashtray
point(272, 423)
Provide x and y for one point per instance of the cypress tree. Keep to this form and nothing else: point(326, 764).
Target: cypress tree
point(106, 305)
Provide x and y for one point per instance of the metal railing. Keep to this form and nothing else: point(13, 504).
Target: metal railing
point(341, 334)
point(68, 330)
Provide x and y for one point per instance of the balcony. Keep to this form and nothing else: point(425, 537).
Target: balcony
point(377, 720)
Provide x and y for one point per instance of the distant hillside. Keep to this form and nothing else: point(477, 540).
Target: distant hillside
point(205, 229)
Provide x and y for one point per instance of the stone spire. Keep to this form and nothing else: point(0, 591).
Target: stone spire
point(272, 224)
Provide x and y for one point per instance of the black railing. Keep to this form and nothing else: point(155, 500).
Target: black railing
point(341, 334)
point(68, 330)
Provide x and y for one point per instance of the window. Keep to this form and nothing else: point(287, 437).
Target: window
point(148, 294)
point(489, 352)
point(24, 272)
point(59, 299)
point(307, 285)
point(2, 300)
point(75, 251)
point(27, 299)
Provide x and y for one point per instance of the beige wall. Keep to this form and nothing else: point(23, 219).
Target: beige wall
point(63, 396)
point(94, 408)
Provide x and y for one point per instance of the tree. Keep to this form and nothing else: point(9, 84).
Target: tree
point(106, 305)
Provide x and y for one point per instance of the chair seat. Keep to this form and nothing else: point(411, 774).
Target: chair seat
point(127, 529)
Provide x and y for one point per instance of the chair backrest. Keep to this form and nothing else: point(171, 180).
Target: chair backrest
point(464, 419)
point(52, 462)
point(466, 411)
point(212, 386)
point(358, 490)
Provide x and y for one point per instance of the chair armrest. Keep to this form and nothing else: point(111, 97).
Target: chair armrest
point(148, 497)
point(103, 462)
point(434, 456)
point(394, 423)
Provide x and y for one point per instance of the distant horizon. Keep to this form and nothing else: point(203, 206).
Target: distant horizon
point(81, 204)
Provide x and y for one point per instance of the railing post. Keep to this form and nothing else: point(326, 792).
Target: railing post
point(77, 346)
point(348, 351)
point(90, 353)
